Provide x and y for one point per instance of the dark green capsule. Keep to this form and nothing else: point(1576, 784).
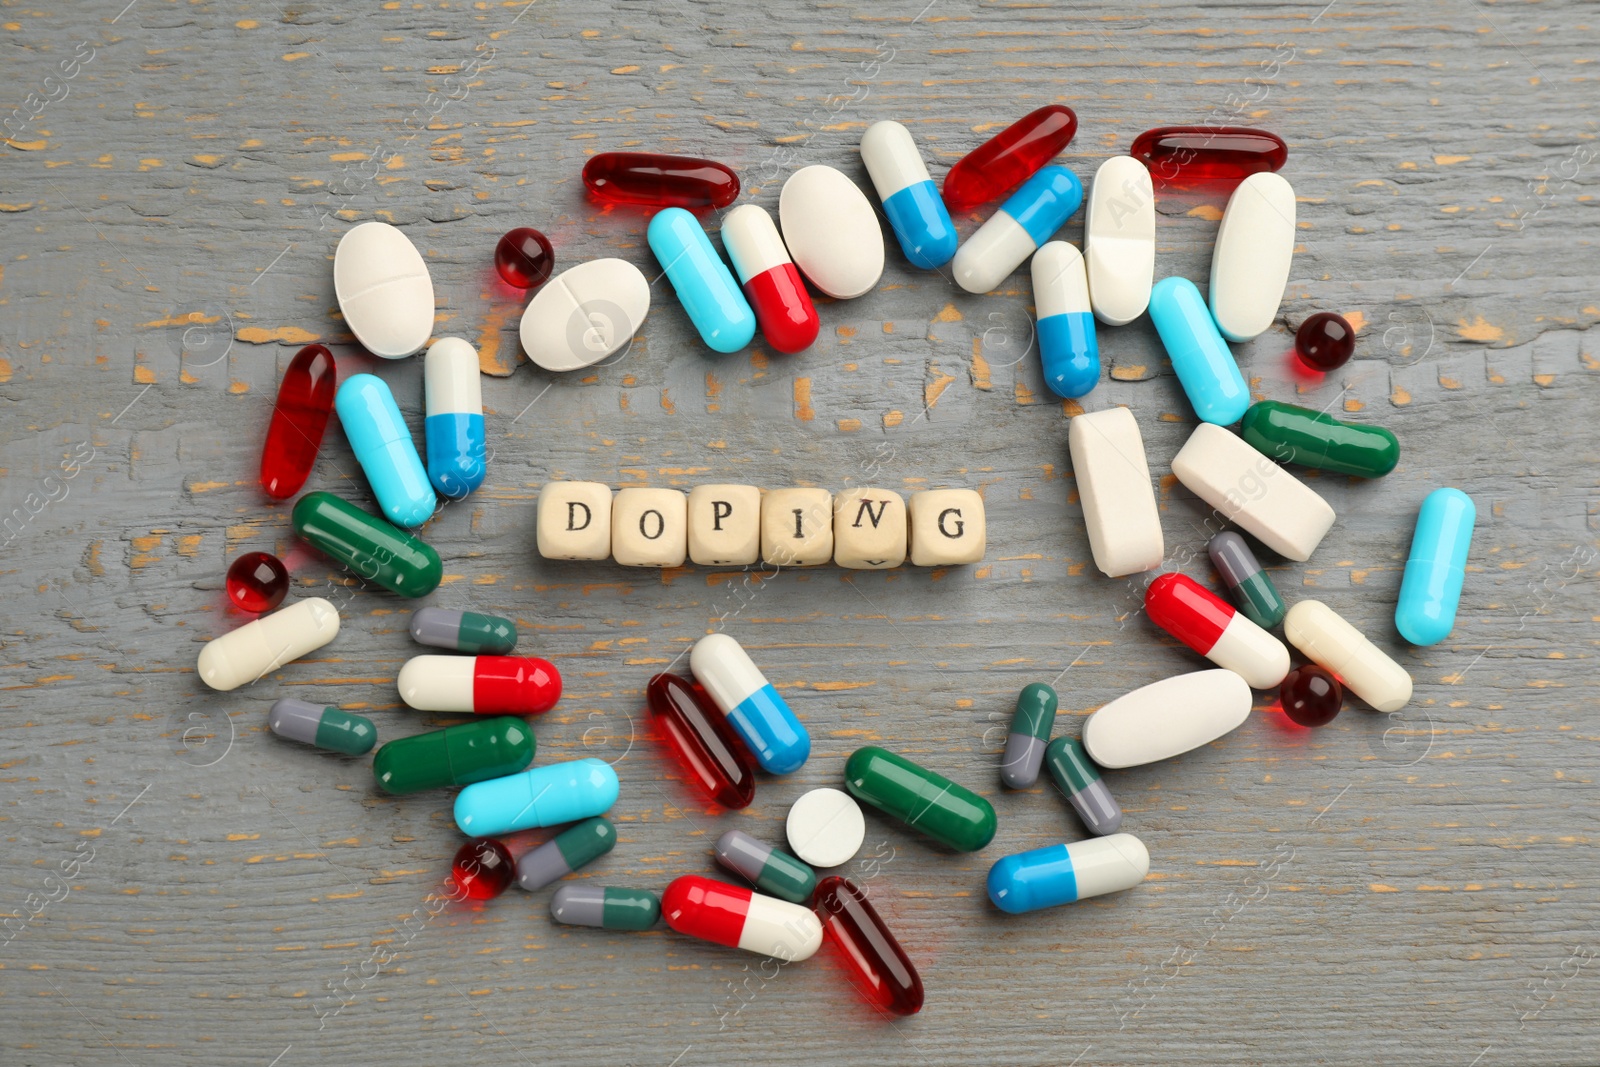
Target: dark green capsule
point(578, 845)
point(324, 727)
point(1253, 592)
point(374, 550)
point(464, 631)
point(950, 814)
point(610, 907)
point(1292, 434)
point(456, 755)
point(1079, 780)
point(1031, 724)
point(771, 870)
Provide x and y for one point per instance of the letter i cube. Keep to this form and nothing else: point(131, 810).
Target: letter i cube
point(869, 529)
point(797, 527)
point(947, 528)
point(724, 525)
point(575, 520)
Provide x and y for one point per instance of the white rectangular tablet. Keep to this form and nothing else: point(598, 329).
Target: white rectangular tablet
point(1119, 503)
point(1250, 490)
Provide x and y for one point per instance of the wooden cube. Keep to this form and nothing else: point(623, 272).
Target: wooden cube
point(574, 520)
point(869, 529)
point(650, 528)
point(947, 528)
point(724, 525)
point(797, 527)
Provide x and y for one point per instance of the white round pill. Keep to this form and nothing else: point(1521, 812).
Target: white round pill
point(825, 828)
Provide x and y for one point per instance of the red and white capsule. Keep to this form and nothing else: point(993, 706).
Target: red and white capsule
point(481, 685)
point(1197, 617)
point(770, 280)
point(741, 918)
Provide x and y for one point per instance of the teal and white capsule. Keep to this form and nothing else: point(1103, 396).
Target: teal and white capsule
point(453, 398)
point(606, 906)
point(1061, 874)
point(771, 870)
point(1079, 781)
point(1031, 724)
point(326, 727)
point(911, 201)
point(1069, 353)
point(1026, 221)
point(704, 285)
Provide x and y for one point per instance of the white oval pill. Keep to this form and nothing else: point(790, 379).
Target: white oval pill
point(384, 290)
point(1166, 718)
point(826, 827)
point(832, 231)
point(1119, 240)
point(585, 314)
point(1250, 262)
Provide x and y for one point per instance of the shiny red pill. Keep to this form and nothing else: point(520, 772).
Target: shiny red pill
point(301, 414)
point(1207, 156)
point(878, 965)
point(702, 739)
point(524, 258)
point(257, 582)
point(482, 869)
point(652, 180)
point(1009, 158)
point(1311, 696)
point(1325, 341)
point(770, 280)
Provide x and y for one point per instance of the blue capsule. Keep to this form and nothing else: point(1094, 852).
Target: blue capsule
point(1200, 357)
point(1068, 350)
point(1061, 874)
point(704, 285)
point(1431, 589)
point(1027, 220)
point(383, 446)
point(457, 445)
point(543, 796)
point(911, 201)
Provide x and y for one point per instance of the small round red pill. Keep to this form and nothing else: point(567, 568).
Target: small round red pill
point(257, 582)
point(483, 869)
point(1325, 341)
point(524, 258)
point(1009, 158)
point(1311, 696)
point(647, 179)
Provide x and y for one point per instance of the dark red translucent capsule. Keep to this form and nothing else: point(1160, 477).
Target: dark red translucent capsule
point(482, 869)
point(878, 964)
point(1311, 696)
point(524, 258)
point(653, 180)
point(700, 736)
point(1009, 158)
point(1207, 156)
point(257, 582)
point(298, 419)
point(1325, 342)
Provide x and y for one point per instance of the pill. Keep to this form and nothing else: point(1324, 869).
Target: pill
point(385, 292)
point(1207, 156)
point(608, 907)
point(1062, 874)
point(1325, 342)
point(1080, 782)
point(1166, 718)
point(1024, 222)
point(258, 648)
point(383, 446)
point(1252, 492)
point(951, 814)
point(1253, 592)
point(1200, 357)
point(572, 849)
point(481, 685)
point(373, 550)
point(652, 180)
point(584, 314)
point(1251, 259)
point(463, 631)
point(880, 968)
point(825, 828)
point(761, 718)
point(543, 796)
point(325, 727)
point(1430, 591)
point(1009, 158)
point(910, 199)
point(457, 755)
point(1119, 240)
point(1115, 491)
point(1068, 350)
point(299, 417)
point(1311, 696)
point(740, 918)
point(832, 231)
point(1031, 723)
point(771, 282)
point(257, 582)
point(453, 398)
point(769, 869)
point(704, 285)
point(481, 870)
point(1291, 434)
point(1329, 641)
point(702, 739)
point(1210, 626)
point(524, 258)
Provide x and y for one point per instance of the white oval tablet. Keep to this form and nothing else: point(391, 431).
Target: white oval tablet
point(832, 231)
point(1119, 240)
point(384, 290)
point(1250, 263)
point(1166, 718)
point(585, 314)
point(826, 828)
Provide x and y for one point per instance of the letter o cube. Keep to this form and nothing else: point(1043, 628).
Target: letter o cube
point(869, 529)
point(947, 528)
point(797, 527)
point(650, 528)
point(724, 525)
point(574, 520)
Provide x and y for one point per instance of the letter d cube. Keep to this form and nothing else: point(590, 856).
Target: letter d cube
point(575, 520)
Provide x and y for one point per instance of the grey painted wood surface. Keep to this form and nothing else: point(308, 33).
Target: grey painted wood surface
point(1415, 888)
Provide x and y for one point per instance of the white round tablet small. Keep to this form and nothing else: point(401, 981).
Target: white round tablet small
point(825, 828)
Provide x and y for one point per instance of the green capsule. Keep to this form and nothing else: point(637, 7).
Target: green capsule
point(374, 550)
point(1080, 782)
point(609, 907)
point(950, 814)
point(324, 727)
point(1253, 592)
point(1292, 434)
point(771, 870)
point(1031, 724)
point(457, 755)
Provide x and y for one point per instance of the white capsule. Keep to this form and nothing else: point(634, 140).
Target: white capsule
point(774, 927)
point(752, 242)
point(385, 292)
point(1328, 640)
point(451, 381)
point(263, 646)
point(438, 683)
point(1119, 240)
point(1250, 261)
point(1167, 718)
point(1114, 488)
point(1250, 490)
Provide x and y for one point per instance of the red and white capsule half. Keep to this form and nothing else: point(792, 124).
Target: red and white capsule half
point(770, 280)
point(741, 918)
point(480, 685)
point(1197, 617)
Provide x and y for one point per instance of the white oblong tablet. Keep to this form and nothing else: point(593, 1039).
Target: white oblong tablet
point(585, 314)
point(385, 291)
point(832, 231)
point(1250, 490)
point(826, 828)
point(1330, 641)
point(1250, 262)
point(1119, 240)
point(1167, 718)
point(1114, 487)
point(260, 647)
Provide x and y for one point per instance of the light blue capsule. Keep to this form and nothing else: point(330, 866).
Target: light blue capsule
point(543, 796)
point(702, 281)
point(1200, 357)
point(1045, 202)
point(383, 446)
point(1430, 592)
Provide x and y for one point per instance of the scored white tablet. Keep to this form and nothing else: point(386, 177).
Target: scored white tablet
point(1250, 262)
point(1119, 240)
point(1119, 503)
point(1250, 490)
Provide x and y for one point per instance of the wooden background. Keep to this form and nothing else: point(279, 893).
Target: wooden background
point(187, 889)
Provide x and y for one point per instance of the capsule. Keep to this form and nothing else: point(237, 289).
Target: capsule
point(1079, 781)
point(299, 418)
point(1061, 874)
point(1009, 158)
point(463, 631)
point(1253, 592)
point(879, 966)
point(383, 446)
point(326, 728)
point(953, 815)
point(1208, 156)
point(457, 755)
point(481, 685)
point(703, 740)
point(1291, 434)
point(1012, 234)
point(573, 848)
point(543, 796)
point(1329, 641)
point(1031, 724)
point(608, 907)
point(1068, 350)
point(910, 199)
point(702, 281)
point(1200, 357)
point(1208, 624)
point(771, 870)
point(1431, 588)
point(260, 647)
point(370, 547)
point(759, 715)
point(652, 180)
point(770, 280)
point(737, 917)
point(453, 397)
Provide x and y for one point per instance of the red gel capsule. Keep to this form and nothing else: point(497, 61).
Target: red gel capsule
point(524, 258)
point(879, 965)
point(702, 740)
point(1207, 156)
point(652, 180)
point(257, 582)
point(301, 414)
point(1009, 158)
point(482, 869)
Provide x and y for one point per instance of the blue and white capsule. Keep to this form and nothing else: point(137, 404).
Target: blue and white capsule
point(912, 202)
point(383, 446)
point(704, 285)
point(1200, 357)
point(1027, 220)
point(543, 796)
point(1061, 874)
point(758, 714)
point(458, 448)
point(1430, 592)
point(1068, 350)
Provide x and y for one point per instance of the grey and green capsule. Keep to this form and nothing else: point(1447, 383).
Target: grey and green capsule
point(1077, 777)
point(329, 728)
point(1252, 589)
point(578, 845)
point(1031, 724)
point(464, 631)
point(771, 870)
point(609, 907)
